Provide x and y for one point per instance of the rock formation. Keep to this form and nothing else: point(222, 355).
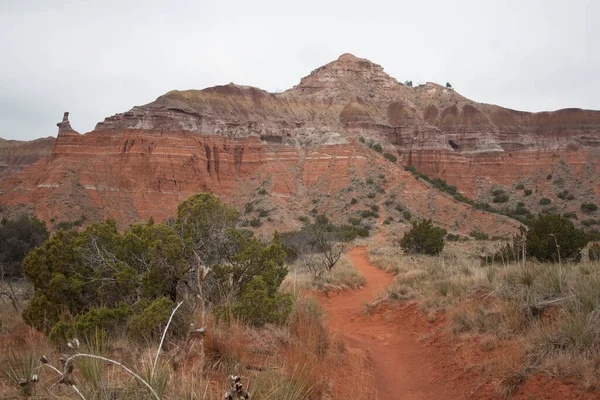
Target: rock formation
point(307, 147)
point(16, 155)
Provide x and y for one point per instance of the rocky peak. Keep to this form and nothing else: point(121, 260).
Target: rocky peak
point(64, 127)
point(347, 73)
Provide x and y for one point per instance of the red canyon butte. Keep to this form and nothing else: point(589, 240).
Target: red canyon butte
point(307, 149)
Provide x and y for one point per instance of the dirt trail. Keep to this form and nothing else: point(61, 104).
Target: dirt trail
point(404, 367)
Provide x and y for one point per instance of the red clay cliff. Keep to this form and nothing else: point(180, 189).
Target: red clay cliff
point(310, 142)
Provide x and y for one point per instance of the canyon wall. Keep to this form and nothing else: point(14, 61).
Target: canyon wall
point(308, 147)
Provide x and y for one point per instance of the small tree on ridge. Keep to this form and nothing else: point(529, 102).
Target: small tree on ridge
point(424, 238)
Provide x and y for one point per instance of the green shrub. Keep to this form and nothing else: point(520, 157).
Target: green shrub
point(424, 238)
point(99, 278)
point(18, 237)
point(303, 218)
point(479, 235)
point(520, 209)
point(410, 168)
point(528, 192)
point(361, 139)
point(570, 215)
point(593, 235)
point(548, 231)
point(199, 219)
point(369, 214)
point(255, 272)
point(263, 213)
point(369, 181)
point(41, 313)
point(322, 219)
point(354, 220)
point(544, 201)
point(371, 195)
point(346, 233)
point(362, 231)
point(549, 176)
point(390, 157)
point(62, 332)
point(150, 323)
point(374, 208)
point(445, 187)
point(399, 207)
point(452, 237)
point(588, 207)
point(589, 222)
point(257, 306)
point(353, 201)
point(69, 225)
point(565, 195)
point(407, 215)
point(255, 222)
point(520, 186)
point(262, 191)
point(500, 198)
point(377, 147)
point(101, 319)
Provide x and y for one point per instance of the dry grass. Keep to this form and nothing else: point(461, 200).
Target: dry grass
point(298, 361)
point(488, 343)
point(551, 310)
point(436, 282)
point(12, 297)
point(342, 276)
point(511, 372)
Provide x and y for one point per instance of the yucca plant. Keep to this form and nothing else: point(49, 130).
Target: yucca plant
point(92, 370)
point(20, 371)
point(157, 375)
point(153, 375)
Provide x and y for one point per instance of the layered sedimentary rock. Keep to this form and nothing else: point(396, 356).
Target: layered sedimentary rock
point(306, 142)
point(16, 155)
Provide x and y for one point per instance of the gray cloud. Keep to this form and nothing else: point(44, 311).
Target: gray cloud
point(97, 58)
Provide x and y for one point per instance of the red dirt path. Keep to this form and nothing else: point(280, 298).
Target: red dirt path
point(414, 358)
point(404, 367)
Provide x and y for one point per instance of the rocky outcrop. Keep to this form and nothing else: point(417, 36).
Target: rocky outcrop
point(305, 143)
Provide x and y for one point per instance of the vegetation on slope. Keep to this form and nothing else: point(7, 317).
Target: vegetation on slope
point(544, 311)
point(127, 290)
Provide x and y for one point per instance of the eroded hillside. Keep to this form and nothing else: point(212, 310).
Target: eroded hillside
point(306, 150)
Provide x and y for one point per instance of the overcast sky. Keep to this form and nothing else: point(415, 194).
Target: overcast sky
point(98, 58)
